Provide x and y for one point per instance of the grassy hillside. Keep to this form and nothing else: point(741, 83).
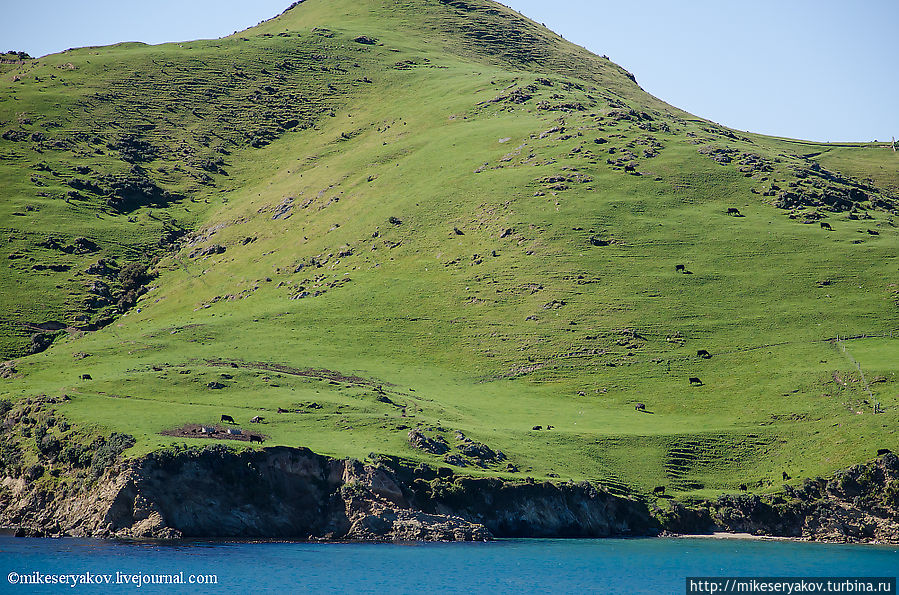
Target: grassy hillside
point(388, 215)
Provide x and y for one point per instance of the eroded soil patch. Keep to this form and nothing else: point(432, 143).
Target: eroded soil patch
point(218, 432)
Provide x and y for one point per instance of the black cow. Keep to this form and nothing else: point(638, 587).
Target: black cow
point(884, 451)
point(86, 377)
point(679, 268)
point(280, 410)
point(743, 487)
point(734, 212)
point(785, 476)
point(658, 490)
point(255, 438)
point(873, 233)
point(640, 407)
point(704, 354)
point(537, 428)
point(227, 418)
point(695, 381)
point(826, 225)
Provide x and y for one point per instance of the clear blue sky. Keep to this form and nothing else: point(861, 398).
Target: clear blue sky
point(819, 70)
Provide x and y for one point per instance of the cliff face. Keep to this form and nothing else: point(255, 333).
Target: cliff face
point(294, 493)
point(859, 504)
point(536, 509)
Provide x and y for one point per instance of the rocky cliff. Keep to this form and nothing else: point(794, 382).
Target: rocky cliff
point(859, 504)
point(294, 493)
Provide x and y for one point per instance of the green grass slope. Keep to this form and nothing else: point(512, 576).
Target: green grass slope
point(388, 215)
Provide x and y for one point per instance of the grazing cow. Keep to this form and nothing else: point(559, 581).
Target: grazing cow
point(227, 418)
point(458, 231)
point(537, 428)
point(785, 476)
point(734, 212)
point(884, 451)
point(679, 268)
point(743, 487)
point(640, 407)
point(256, 420)
point(280, 410)
point(255, 438)
point(658, 490)
point(826, 225)
point(550, 427)
point(695, 381)
point(873, 233)
point(704, 354)
point(86, 377)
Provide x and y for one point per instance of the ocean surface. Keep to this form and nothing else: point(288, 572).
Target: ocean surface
point(508, 566)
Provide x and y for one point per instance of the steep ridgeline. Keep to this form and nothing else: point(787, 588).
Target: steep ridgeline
point(112, 154)
point(433, 231)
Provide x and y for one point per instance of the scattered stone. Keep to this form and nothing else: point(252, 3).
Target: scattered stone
point(481, 452)
point(436, 445)
point(7, 370)
point(208, 251)
point(284, 210)
point(454, 459)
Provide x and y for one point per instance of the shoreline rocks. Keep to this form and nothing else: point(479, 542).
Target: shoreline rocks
point(856, 505)
point(295, 494)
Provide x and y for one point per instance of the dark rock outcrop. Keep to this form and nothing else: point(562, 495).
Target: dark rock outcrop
point(285, 492)
point(859, 504)
point(293, 493)
point(537, 509)
point(436, 445)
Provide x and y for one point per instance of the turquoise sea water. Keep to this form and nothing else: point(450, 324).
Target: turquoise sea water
point(511, 566)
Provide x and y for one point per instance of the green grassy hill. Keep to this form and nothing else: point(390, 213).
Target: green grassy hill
point(397, 214)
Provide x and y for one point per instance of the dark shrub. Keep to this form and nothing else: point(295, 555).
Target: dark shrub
point(106, 455)
point(34, 472)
